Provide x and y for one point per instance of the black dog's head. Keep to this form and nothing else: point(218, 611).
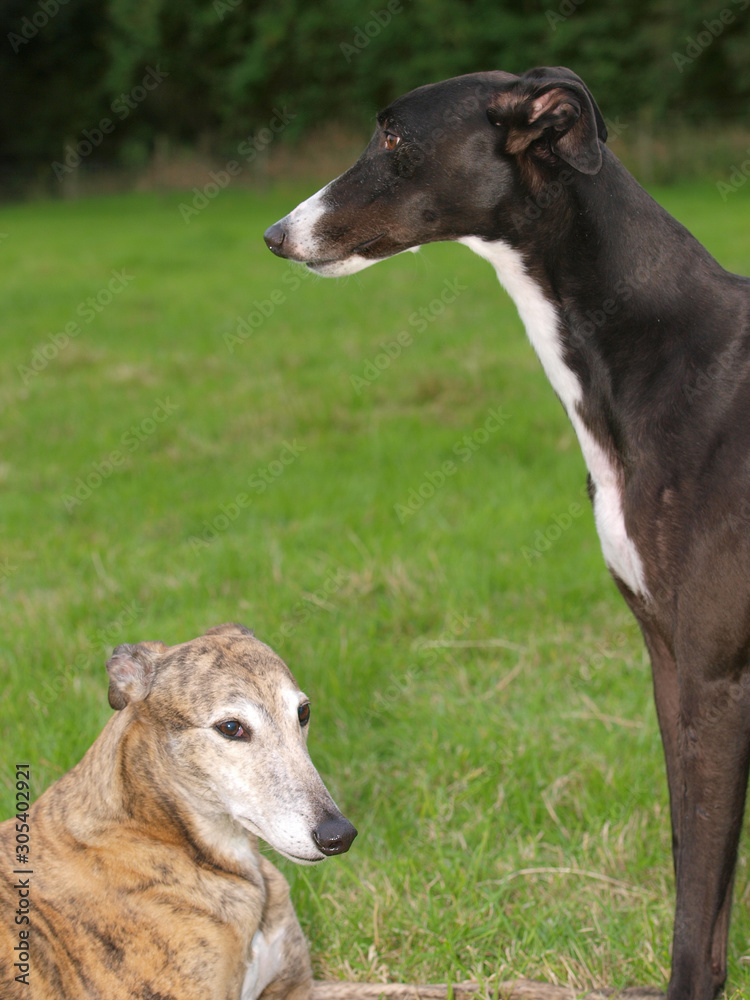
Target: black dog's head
point(447, 161)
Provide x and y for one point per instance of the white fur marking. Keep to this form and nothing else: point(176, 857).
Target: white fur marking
point(301, 222)
point(540, 318)
point(353, 263)
point(299, 226)
point(265, 965)
point(244, 711)
point(293, 699)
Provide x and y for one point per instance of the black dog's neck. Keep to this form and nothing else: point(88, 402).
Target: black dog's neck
point(619, 302)
point(632, 295)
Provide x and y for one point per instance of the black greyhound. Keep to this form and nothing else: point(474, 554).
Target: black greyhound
point(646, 340)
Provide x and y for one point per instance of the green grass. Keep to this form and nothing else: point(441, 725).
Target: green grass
point(511, 800)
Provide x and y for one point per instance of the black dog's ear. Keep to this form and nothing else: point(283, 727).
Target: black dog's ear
point(553, 105)
point(131, 671)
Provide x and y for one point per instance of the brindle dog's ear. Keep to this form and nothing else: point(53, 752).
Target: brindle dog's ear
point(131, 671)
point(230, 628)
point(553, 111)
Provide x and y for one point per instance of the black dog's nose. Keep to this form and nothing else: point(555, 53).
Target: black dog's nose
point(274, 237)
point(334, 836)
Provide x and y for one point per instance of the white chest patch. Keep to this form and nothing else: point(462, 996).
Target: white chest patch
point(265, 965)
point(540, 318)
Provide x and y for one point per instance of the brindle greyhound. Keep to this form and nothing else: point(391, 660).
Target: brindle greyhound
point(145, 881)
point(646, 341)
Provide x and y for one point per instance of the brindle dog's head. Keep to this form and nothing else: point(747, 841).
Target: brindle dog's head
point(230, 725)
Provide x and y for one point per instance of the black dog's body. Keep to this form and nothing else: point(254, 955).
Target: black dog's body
point(646, 340)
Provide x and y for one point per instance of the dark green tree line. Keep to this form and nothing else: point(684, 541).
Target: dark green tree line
point(209, 73)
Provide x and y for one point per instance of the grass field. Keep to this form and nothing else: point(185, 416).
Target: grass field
point(219, 436)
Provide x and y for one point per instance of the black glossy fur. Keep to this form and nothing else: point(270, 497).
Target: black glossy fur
point(658, 335)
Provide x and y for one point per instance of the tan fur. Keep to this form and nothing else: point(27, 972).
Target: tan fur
point(143, 886)
point(147, 883)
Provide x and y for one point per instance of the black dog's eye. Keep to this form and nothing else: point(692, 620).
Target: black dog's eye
point(389, 141)
point(233, 730)
point(304, 714)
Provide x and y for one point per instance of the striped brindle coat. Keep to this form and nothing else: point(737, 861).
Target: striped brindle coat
point(147, 879)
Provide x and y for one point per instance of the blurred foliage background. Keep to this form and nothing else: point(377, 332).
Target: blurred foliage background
point(225, 68)
point(511, 778)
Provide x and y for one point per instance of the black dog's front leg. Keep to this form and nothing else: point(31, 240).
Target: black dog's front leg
point(713, 744)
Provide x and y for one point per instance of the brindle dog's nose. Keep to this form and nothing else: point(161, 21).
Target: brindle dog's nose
point(335, 835)
point(274, 237)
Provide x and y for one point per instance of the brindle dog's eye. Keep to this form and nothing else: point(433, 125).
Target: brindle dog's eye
point(304, 714)
point(390, 141)
point(233, 730)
